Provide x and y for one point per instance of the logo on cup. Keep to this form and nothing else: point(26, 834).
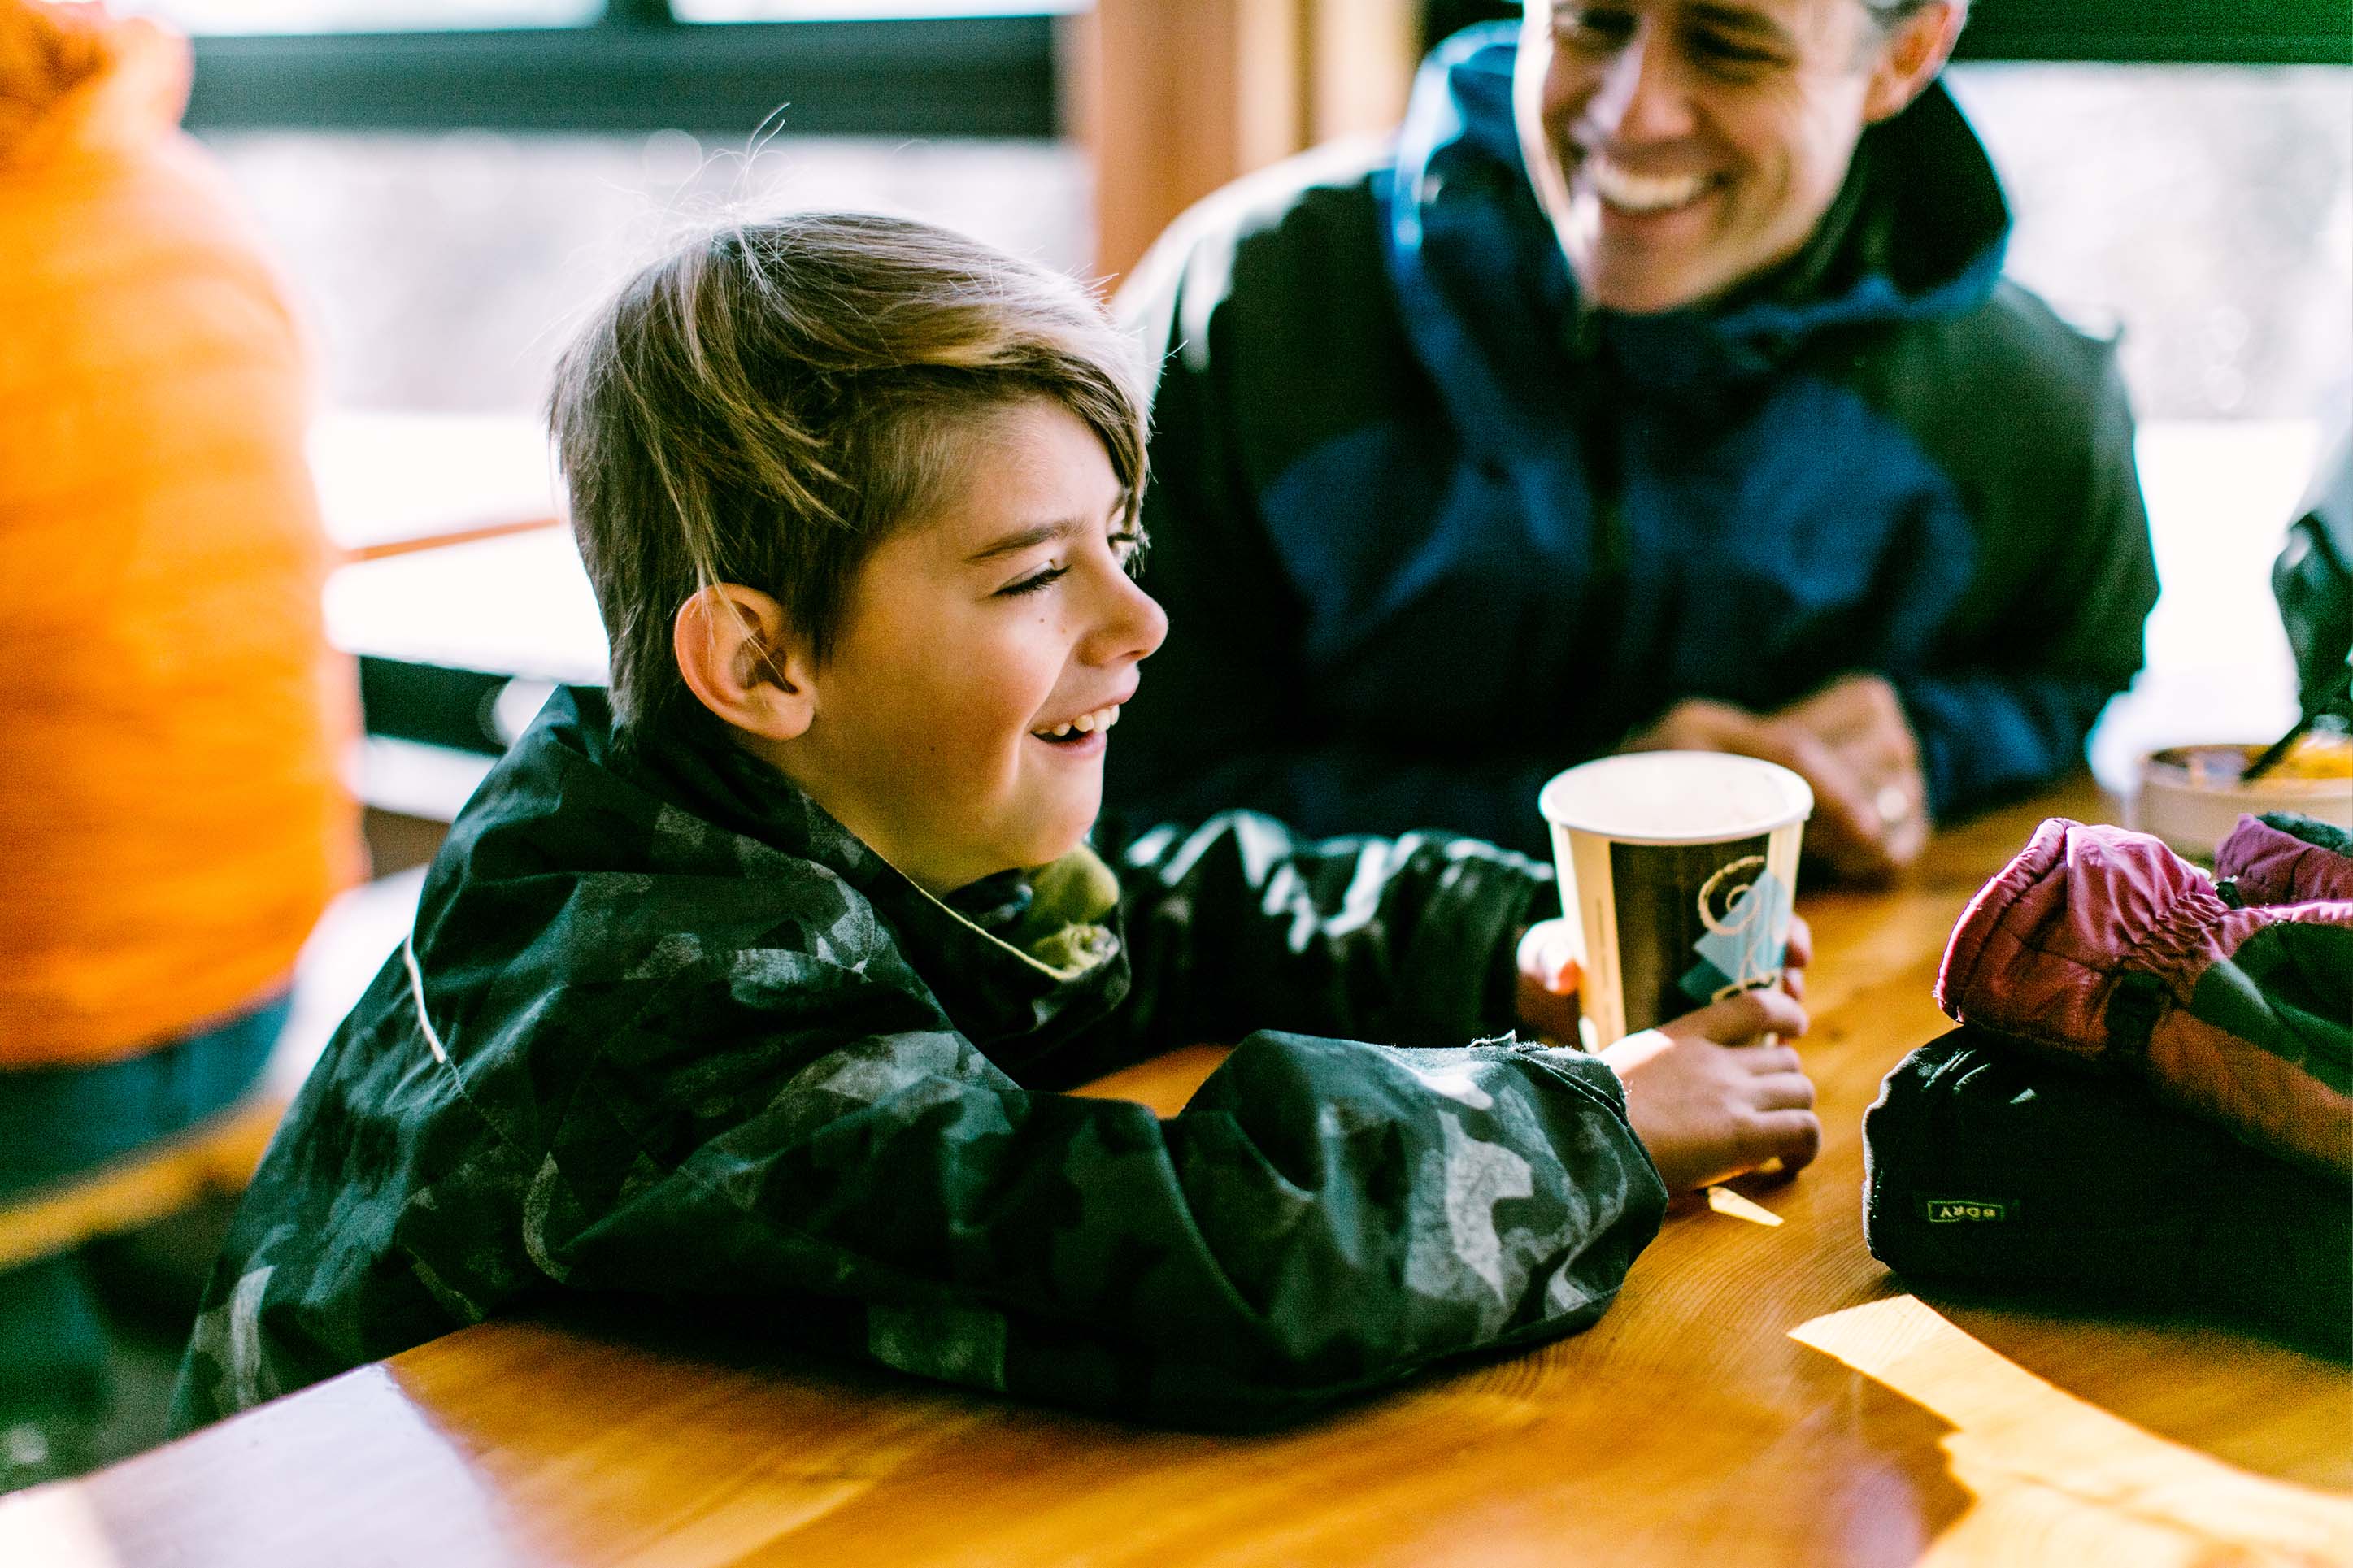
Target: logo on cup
point(1745, 909)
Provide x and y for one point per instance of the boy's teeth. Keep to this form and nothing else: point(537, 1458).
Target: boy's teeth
point(1085, 723)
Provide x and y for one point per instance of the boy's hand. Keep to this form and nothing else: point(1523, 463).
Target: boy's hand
point(1548, 981)
point(1548, 975)
point(1709, 1099)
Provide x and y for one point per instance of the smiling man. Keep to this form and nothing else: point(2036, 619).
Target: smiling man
point(1658, 386)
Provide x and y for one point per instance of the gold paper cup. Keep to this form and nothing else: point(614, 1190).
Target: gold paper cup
point(1678, 870)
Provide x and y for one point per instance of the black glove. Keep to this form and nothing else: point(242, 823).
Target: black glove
point(2001, 1171)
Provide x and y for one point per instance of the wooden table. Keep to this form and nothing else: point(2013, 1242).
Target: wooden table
point(1758, 1395)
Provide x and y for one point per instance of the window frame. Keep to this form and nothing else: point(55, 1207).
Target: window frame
point(638, 68)
point(2159, 32)
point(2097, 32)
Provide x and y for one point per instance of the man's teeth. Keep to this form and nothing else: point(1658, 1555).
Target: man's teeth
point(1621, 187)
point(1085, 723)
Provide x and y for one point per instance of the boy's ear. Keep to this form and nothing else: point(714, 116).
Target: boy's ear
point(1910, 58)
point(737, 653)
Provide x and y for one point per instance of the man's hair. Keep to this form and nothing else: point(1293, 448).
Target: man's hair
point(766, 404)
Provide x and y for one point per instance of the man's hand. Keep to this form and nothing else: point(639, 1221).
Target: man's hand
point(1549, 977)
point(1861, 722)
point(1850, 742)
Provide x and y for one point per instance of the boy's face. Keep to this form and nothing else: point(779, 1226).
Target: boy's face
point(974, 643)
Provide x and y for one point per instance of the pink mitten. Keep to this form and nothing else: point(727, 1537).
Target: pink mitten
point(2096, 942)
point(2039, 952)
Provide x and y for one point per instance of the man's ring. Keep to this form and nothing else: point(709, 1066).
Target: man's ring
point(1892, 804)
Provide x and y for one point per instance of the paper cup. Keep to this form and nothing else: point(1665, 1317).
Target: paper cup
point(1677, 873)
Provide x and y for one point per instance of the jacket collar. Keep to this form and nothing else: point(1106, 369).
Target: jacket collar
point(1019, 963)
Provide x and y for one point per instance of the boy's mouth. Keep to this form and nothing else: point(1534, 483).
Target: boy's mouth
point(1075, 731)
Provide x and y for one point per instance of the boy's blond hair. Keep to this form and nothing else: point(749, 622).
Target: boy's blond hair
point(767, 404)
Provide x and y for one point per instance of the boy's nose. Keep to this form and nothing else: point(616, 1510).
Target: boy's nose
point(1130, 625)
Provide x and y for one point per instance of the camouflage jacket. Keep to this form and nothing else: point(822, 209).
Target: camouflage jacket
point(664, 1026)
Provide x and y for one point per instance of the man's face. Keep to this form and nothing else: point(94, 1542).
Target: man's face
point(1684, 146)
point(974, 643)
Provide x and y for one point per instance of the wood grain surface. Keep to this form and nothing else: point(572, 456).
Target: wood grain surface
point(1759, 1394)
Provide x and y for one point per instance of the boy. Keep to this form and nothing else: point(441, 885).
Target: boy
point(759, 984)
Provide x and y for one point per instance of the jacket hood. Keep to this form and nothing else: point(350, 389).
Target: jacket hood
point(1019, 961)
point(74, 79)
point(1918, 230)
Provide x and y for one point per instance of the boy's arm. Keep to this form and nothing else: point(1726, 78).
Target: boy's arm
point(1244, 924)
point(1324, 1218)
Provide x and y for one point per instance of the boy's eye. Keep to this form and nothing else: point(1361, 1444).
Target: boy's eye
point(1043, 578)
point(1126, 548)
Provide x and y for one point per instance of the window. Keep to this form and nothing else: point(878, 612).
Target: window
point(443, 271)
point(298, 16)
point(451, 180)
point(2206, 211)
point(861, 10)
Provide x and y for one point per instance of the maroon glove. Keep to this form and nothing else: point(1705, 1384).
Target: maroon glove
point(2093, 941)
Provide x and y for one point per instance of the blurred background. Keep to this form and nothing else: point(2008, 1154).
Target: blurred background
point(447, 180)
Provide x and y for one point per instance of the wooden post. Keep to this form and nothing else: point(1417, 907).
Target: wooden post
point(1361, 59)
point(1175, 97)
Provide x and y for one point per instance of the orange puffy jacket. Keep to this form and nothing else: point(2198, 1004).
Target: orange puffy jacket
point(172, 721)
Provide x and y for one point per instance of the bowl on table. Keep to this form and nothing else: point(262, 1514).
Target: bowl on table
point(2192, 796)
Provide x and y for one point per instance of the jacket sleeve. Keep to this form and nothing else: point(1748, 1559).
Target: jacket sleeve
point(1324, 1218)
point(1242, 924)
point(1226, 715)
point(2001, 724)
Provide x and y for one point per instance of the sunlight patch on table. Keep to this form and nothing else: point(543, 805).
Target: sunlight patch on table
point(2059, 1480)
point(1724, 1201)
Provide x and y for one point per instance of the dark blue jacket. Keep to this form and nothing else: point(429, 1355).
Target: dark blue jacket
point(1427, 532)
